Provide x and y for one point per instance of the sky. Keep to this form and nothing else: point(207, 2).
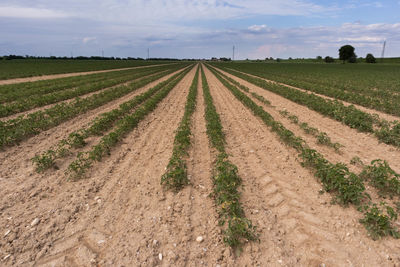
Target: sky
point(199, 28)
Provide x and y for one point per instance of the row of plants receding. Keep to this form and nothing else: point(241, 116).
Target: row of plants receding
point(34, 101)
point(97, 127)
point(85, 160)
point(226, 180)
point(380, 99)
point(176, 177)
point(346, 186)
point(14, 131)
point(386, 132)
point(322, 137)
point(13, 92)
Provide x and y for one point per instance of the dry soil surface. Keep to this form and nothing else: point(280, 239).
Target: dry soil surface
point(121, 216)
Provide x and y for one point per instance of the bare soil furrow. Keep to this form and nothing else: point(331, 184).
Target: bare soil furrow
point(371, 111)
point(25, 194)
point(365, 146)
point(128, 222)
point(64, 75)
point(298, 225)
point(25, 113)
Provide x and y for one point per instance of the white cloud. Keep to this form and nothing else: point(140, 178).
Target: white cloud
point(88, 39)
point(28, 12)
point(258, 28)
point(145, 11)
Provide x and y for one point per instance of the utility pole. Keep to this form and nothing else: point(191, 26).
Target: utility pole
point(383, 50)
point(102, 53)
point(233, 53)
point(148, 53)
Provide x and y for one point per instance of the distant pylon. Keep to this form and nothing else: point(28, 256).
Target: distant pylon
point(233, 53)
point(383, 50)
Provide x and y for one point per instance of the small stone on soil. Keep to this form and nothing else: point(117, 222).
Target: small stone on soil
point(199, 239)
point(35, 222)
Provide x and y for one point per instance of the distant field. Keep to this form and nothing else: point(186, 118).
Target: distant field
point(371, 85)
point(19, 68)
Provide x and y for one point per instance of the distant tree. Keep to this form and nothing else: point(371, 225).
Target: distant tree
point(319, 58)
point(278, 60)
point(346, 52)
point(329, 59)
point(370, 58)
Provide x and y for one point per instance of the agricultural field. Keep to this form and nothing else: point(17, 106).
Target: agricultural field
point(19, 68)
point(203, 164)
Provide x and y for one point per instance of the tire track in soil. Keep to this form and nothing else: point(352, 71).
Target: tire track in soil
point(298, 225)
point(132, 211)
point(371, 111)
point(64, 75)
point(364, 145)
point(26, 194)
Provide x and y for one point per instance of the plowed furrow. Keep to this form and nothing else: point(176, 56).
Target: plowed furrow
point(297, 225)
point(365, 146)
point(132, 214)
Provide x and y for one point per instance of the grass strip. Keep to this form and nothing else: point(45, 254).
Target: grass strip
point(347, 187)
point(226, 181)
point(78, 168)
point(175, 177)
point(98, 126)
point(16, 130)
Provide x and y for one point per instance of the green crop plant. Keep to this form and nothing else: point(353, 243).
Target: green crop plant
point(82, 164)
point(347, 187)
point(226, 181)
point(15, 130)
point(175, 177)
point(377, 220)
point(381, 176)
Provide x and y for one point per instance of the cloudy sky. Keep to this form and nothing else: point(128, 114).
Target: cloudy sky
point(198, 28)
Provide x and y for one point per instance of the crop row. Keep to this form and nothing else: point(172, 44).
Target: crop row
point(347, 187)
point(34, 101)
point(18, 68)
point(97, 126)
point(226, 180)
point(85, 160)
point(16, 130)
point(322, 137)
point(175, 177)
point(18, 91)
point(363, 90)
point(387, 132)
point(12, 92)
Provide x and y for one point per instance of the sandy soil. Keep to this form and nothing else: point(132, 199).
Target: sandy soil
point(25, 113)
point(366, 146)
point(121, 216)
point(64, 75)
point(381, 114)
point(298, 226)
